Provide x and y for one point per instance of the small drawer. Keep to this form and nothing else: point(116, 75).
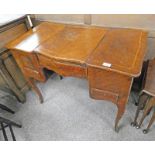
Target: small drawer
point(29, 65)
point(32, 73)
point(103, 95)
point(63, 67)
point(28, 62)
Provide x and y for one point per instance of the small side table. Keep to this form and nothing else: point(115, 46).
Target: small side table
point(10, 82)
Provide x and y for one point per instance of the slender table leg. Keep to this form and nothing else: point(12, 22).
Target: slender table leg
point(120, 112)
point(35, 88)
point(6, 108)
point(9, 122)
point(150, 123)
point(140, 105)
point(12, 134)
point(4, 132)
point(146, 110)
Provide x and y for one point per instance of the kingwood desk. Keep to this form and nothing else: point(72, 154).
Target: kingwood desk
point(108, 58)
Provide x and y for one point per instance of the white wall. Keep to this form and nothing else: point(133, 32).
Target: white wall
point(65, 18)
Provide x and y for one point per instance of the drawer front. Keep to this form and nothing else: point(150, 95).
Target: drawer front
point(63, 68)
point(107, 85)
point(103, 95)
point(28, 62)
point(29, 65)
point(32, 73)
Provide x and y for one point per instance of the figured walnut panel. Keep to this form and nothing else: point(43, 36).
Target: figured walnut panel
point(107, 85)
point(31, 69)
point(62, 67)
point(124, 49)
point(75, 43)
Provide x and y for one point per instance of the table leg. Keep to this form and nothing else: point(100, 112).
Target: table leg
point(120, 112)
point(4, 132)
point(146, 110)
point(9, 122)
point(6, 108)
point(35, 88)
point(140, 105)
point(12, 134)
point(150, 123)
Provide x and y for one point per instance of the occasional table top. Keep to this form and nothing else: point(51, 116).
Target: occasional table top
point(122, 49)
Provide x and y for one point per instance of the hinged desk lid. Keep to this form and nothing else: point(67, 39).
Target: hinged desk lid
point(35, 37)
point(122, 49)
point(74, 43)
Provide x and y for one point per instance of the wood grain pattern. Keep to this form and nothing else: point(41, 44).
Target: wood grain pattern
point(111, 86)
point(35, 37)
point(123, 49)
point(63, 68)
point(79, 51)
point(36, 72)
point(73, 43)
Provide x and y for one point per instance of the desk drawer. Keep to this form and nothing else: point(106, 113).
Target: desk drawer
point(29, 65)
point(103, 95)
point(63, 68)
point(108, 85)
point(32, 73)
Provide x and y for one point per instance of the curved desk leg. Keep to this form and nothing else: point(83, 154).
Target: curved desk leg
point(120, 112)
point(35, 88)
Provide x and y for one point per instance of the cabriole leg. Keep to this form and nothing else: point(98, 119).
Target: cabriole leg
point(120, 112)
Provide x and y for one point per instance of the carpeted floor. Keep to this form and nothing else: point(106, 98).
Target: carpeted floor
point(68, 113)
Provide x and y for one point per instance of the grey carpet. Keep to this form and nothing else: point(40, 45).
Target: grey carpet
point(68, 113)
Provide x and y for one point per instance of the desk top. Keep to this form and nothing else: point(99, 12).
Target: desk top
point(124, 49)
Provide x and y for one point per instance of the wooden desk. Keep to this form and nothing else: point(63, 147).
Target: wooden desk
point(80, 51)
